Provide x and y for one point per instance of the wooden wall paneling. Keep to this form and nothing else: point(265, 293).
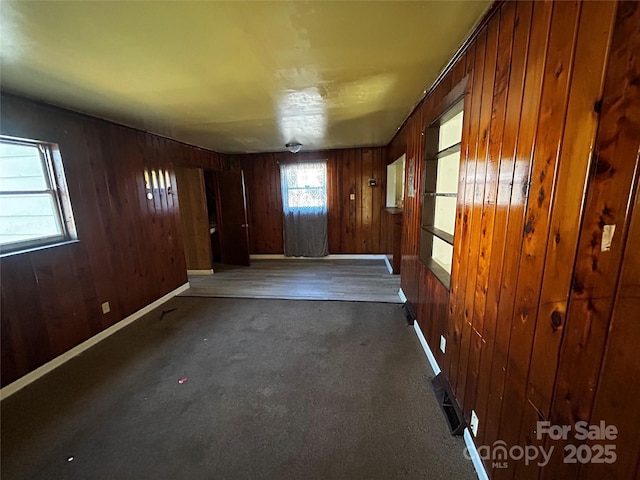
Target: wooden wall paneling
point(351, 172)
point(475, 169)
point(518, 54)
point(27, 344)
point(343, 192)
point(174, 265)
point(351, 177)
point(12, 358)
point(554, 79)
point(152, 146)
point(430, 319)
point(93, 198)
point(526, 130)
point(354, 226)
point(253, 205)
point(461, 232)
point(349, 206)
point(485, 307)
point(137, 149)
point(609, 197)
point(378, 198)
point(551, 122)
point(155, 242)
point(574, 162)
point(106, 212)
point(59, 299)
point(459, 70)
point(274, 203)
point(134, 148)
point(618, 388)
point(478, 255)
point(364, 205)
point(418, 151)
point(130, 263)
point(129, 252)
point(82, 306)
point(439, 303)
point(408, 280)
point(421, 307)
point(334, 203)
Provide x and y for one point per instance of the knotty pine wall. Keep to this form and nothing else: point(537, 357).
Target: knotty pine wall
point(354, 226)
point(130, 249)
point(540, 323)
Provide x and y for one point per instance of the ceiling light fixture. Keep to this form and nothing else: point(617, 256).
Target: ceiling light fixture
point(293, 147)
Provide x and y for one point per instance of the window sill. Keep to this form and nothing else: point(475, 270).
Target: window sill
point(38, 248)
point(440, 273)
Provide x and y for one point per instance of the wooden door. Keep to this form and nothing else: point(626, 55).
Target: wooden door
point(232, 217)
point(194, 218)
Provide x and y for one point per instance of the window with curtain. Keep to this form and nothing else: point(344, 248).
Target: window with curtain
point(304, 187)
point(304, 203)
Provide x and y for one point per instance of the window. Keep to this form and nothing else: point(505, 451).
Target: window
point(440, 192)
point(304, 187)
point(34, 205)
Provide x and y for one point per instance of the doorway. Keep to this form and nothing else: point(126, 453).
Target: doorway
point(213, 217)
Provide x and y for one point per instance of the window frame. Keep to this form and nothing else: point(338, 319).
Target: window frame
point(56, 187)
point(429, 193)
point(324, 189)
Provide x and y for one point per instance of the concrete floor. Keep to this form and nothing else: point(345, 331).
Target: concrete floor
point(274, 389)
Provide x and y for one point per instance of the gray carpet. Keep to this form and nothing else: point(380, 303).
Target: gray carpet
point(275, 390)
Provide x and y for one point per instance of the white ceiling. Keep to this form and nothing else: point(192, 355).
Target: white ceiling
point(236, 76)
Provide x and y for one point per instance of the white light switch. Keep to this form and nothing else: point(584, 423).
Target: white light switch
point(352, 196)
point(474, 423)
point(443, 343)
point(105, 308)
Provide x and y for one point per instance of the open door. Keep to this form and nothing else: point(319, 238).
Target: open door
point(193, 218)
point(231, 208)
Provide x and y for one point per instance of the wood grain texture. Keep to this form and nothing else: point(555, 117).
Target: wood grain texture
point(130, 249)
point(393, 226)
point(549, 129)
point(194, 218)
point(593, 297)
point(354, 226)
point(536, 71)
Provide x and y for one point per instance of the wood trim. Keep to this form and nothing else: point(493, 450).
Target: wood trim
point(441, 234)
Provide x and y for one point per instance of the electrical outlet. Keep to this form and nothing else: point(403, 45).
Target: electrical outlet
point(474, 423)
point(443, 343)
point(352, 196)
point(105, 308)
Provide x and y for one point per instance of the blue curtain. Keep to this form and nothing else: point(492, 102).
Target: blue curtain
point(304, 203)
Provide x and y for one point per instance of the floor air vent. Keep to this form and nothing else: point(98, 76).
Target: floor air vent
point(408, 313)
point(448, 404)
